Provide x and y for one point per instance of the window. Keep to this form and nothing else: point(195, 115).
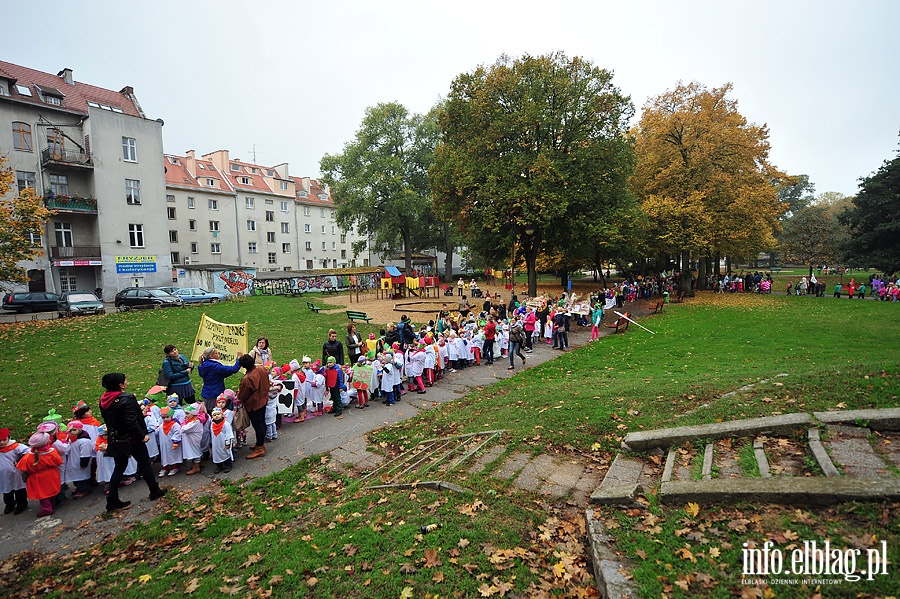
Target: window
point(251, 225)
point(192, 225)
point(307, 228)
point(332, 214)
point(55, 100)
point(213, 226)
point(309, 246)
point(213, 204)
point(175, 257)
point(321, 212)
point(24, 90)
point(35, 239)
point(324, 246)
point(285, 227)
point(67, 280)
point(325, 263)
point(215, 248)
point(173, 236)
point(22, 136)
point(270, 202)
point(210, 182)
point(63, 235)
point(24, 180)
point(245, 180)
point(251, 247)
point(284, 185)
point(333, 245)
point(129, 149)
point(270, 173)
point(236, 167)
point(343, 238)
point(309, 265)
point(306, 211)
point(343, 254)
point(133, 191)
point(136, 235)
point(285, 248)
point(250, 203)
point(270, 237)
point(195, 247)
point(170, 212)
point(332, 229)
point(202, 168)
point(59, 185)
point(270, 216)
point(190, 202)
point(323, 229)
point(170, 199)
point(272, 258)
point(284, 206)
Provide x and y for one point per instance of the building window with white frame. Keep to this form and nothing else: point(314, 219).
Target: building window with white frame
point(333, 245)
point(332, 229)
point(175, 258)
point(190, 202)
point(59, 185)
point(285, 227)
point(307, 228)
point(323, 229)
point(213, 226)
point(270, 216)
point(133, 191)
point(170, 199)
point(215, 248)
point(249, 203)
point(321, 213)
point(324, 246)
point(309, 265)
point(285, 248)
point(173, 236)
point(284, 206)
point(213, 204)
point(129, 149)
point(309, 246)
point(284, 185)
point(195, 247)
point(343, 238)
point(63, 233)
point(251, 225)
point(35, 239)
point(270, 236)
point(136, 235)
point(170, 212)
point(192, 225)
point(24, 180)
point(251, 247)
point(306, 211)
point(67, 280)
point(343, 254)
point(273, 258)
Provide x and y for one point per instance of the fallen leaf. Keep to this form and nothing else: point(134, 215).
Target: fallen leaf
point(192, 585)
point(692, 509)
point(406, 593)
point(438, 577)
point(144, 578)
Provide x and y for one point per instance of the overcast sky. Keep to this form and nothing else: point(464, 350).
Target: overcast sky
point(293, 78)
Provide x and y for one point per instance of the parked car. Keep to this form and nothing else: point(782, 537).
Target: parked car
point(27, 302)
point(171, 290)
point(144, 297)
point(195, 295)
point(78, 303)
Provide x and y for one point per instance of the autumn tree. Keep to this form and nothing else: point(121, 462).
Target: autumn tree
point(874, 220)
point(812, 236)
point(703, 177)
point(20, 217)
point(534, 156)
point(380, 180)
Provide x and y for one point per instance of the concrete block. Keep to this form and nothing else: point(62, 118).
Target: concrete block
point(887, 419)
point(708, 455)
point(610, 570)
point(667, 437)
point(781, 489)
point(616, 494)
point(818, 451)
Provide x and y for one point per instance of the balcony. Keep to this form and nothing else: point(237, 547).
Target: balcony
point(55, 156)
point(71, 204)
point(78, 251)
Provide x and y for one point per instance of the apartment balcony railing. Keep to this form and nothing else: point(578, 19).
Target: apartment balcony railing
point(77, 251)
point(64, 203)
point(69, 158)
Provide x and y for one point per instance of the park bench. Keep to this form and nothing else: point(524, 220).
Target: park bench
point(313, 307)
point(620, 324)
point(329, 289)
point(657, 308)
point(680, 297)
point(775, 269)
point(358, 315)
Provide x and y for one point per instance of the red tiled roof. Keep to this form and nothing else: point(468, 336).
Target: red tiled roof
point(313, 191)
point(257, 181)
point(178, 175)
point(77, 94)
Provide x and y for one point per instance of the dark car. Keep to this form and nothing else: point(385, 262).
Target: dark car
point(143, 297)
point(26, 302)
point(78, 303)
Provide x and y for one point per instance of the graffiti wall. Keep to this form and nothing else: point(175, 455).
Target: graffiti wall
point(245, 282)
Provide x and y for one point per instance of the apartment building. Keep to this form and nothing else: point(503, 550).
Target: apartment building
point(96, 159)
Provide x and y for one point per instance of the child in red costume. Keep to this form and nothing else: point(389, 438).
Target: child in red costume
point(41, 465)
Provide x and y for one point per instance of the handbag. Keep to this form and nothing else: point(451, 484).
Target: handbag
point(161, 379)
point(241, 419)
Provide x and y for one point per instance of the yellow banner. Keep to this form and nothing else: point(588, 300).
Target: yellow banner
point(227, 338)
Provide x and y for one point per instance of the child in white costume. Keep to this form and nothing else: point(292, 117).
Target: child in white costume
point(275, 388)
point(15, 497)
point(222, 442)
point(222, 404)
point(453, 351)
point(174, 403)
point(387, 378)
point(170, 453)
point(192, 437)
point(78, 459)
point(106, 465)
point(152, 422)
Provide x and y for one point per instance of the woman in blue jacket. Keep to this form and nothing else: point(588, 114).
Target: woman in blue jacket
point(214, 373)
point(178, 370)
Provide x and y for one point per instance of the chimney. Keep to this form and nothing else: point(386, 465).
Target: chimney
point(190, 162)
point(66, 74)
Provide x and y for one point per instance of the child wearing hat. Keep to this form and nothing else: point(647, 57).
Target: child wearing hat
point(40, 466)
point(15, 497)
point(192, 437)
point(170, 452)
point(174, 403)
point(82, 412)
point(386, 374)
point(79, 458)
point(106, 464)
point(222, 442)
point(275, 387)
point(334, 382)
point(298, 409)
point(60, 441)
point(152, 422)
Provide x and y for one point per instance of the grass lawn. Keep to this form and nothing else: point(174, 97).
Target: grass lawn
point(311, 532)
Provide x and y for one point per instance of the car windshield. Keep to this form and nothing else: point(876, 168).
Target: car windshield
point(158, 293)
point(82, 297)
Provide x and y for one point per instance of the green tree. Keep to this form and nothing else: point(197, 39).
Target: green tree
point(380, 180)
point(812, 236)
point(534, 156)
point(20, 217)
point(796, 192)
point(703, 177)
point(874, 220)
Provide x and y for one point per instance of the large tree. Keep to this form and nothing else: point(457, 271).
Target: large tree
point(703, 176)
point(534, 156)
point(812, 235)
point(380, 180)
point(874, 220)
point(21, 217)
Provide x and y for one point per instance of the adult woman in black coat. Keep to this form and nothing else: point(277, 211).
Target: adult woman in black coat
point(127, 438)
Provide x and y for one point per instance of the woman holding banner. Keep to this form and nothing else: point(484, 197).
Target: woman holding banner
point(214, 373)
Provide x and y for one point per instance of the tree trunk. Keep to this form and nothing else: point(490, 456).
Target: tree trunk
point(701, 273)
point(448, 255)
point(407, 248)
point(718, 265)
point(531, 252)
point(685, 283)
point(564, 278)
